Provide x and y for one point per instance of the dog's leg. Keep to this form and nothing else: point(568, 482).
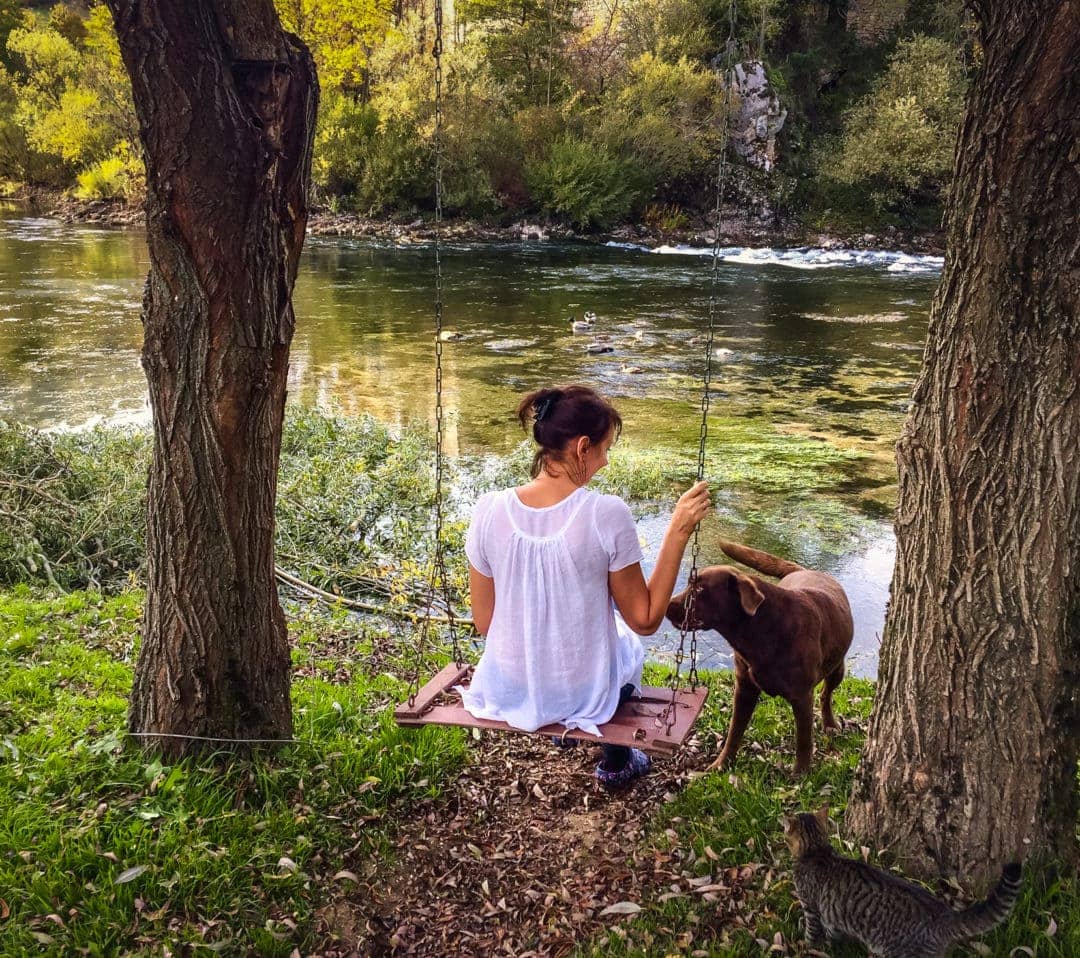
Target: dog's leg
point(832, 680)
point(746, 699)
point(803, 708)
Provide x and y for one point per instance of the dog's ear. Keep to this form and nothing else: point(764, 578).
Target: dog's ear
point(749, 594)
point(822, 816)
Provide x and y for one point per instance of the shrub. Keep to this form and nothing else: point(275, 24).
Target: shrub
point(118, 176)
point(668, 118)
point(900, 137)
point(582, 181)
point(378, 162)
point(665, 217)
point(342, 143)
point(71, 506)
point(397, 168)
point(670, 28)
point(74, 130)
point(70, 99)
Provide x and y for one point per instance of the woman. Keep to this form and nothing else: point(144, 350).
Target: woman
point(549, 563)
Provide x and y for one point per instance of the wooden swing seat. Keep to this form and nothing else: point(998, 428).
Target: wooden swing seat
point(640, 722)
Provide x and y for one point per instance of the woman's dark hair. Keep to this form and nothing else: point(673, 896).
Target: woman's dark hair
point(563, 413)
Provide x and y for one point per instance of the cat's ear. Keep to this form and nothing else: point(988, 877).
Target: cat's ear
point(822, 817)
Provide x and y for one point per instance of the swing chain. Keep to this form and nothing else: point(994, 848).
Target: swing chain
point(439, 578)
point(706, 393)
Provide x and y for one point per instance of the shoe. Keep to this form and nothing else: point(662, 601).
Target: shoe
point(638, 765)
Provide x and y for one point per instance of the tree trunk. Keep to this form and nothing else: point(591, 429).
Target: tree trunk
point(972, 749)
point(226, 105)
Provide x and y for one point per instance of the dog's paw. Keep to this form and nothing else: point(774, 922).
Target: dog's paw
point(719, 765)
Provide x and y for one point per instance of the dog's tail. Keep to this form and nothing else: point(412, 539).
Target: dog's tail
point(762, 561)
point(980, 918)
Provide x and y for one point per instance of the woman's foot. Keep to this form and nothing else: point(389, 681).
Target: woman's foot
point(614, 779)
point(563, 742)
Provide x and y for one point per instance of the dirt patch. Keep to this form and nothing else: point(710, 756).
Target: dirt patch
point(523, 857)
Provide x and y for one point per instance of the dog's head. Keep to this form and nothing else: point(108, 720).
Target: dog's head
point(723, 596)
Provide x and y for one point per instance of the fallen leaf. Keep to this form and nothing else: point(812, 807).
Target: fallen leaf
point(130, 874)
point(286, 863)
point(621, 908)
point(1051, 929)
point(345, 875)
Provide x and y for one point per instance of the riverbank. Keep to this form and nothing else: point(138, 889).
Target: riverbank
point(366, 839)
point(736, 230)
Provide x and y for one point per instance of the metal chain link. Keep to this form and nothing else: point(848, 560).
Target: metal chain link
point(706, 394)
point(439, 580)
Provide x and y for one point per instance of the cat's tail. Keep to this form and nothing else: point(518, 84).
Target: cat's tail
point(762, 561)
point(980, 918)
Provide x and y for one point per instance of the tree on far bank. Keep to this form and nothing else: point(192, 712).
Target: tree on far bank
point(226, 104)
point(971, 758)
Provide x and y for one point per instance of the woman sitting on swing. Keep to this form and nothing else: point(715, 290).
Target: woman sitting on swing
point(549, 563)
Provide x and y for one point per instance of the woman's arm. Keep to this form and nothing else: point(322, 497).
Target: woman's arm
point(642, 604)
point(482, 596)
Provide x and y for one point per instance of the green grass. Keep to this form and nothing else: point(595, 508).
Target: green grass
point(239, 856)
point(236, 856)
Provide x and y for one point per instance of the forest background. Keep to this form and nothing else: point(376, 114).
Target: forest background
point(592, 113)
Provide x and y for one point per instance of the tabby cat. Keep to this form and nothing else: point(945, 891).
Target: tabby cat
point(893, 918)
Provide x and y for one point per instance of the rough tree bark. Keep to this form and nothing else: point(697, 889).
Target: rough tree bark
point(226, 105)
point(972, 750)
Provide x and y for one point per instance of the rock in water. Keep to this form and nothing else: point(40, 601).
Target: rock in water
point(509, 345)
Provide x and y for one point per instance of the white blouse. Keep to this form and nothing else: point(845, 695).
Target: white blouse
point(556, 649)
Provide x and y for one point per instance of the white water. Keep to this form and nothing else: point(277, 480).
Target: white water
point(804, 257)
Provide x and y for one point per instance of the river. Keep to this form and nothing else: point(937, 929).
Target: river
point(815, 355)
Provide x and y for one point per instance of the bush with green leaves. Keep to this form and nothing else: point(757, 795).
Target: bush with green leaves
point(354, 505)
point(71, 506)
point(899, 139)
point(119, 176)
point(583, 182)
point(70, 101)
point(343, 138)
point(377, 163)
point(669, 29)
point(668, 122)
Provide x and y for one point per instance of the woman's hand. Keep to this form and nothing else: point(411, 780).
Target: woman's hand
point(692, 507)
point(644, 604)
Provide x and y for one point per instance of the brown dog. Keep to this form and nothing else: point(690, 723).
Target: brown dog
point(787, 637)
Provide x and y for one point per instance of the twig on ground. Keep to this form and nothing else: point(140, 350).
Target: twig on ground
point(360, 606)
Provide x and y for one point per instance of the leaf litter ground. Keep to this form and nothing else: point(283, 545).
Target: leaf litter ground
point(527, 856)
